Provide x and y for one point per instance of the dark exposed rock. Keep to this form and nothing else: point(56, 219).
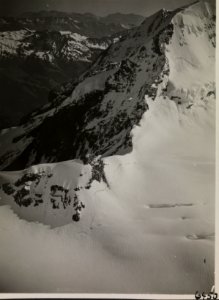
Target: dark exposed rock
point(76, 217)
point(98, 173)
point(27, 177)
point(7, 188)
point(19, 197)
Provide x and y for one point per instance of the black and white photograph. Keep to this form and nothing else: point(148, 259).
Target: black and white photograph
point(108, 147)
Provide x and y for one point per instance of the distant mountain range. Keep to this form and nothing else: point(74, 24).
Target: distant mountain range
point(85, 24)
point(39, 51)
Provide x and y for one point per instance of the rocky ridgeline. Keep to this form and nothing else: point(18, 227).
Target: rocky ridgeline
point(97, 112)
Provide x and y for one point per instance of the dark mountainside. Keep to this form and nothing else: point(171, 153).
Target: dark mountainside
point(41, 51)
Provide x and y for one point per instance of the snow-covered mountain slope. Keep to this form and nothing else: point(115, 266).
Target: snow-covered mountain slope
point(34, 62)
point(109, 100)
point(41, 51)
point(142, 215)
point(141, 202)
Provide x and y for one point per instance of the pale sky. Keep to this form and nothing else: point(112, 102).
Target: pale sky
point(98, 7)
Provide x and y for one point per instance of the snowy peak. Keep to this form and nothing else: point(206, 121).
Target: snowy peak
point(196, 16)
point(191, 54)
point(202, 9)
point(167, 55)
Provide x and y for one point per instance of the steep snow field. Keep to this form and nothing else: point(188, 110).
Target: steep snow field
point(192, 60)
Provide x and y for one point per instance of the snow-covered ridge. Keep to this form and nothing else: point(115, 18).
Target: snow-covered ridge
point(191, 54)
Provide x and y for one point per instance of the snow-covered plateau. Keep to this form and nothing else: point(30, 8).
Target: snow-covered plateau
point(112, 190)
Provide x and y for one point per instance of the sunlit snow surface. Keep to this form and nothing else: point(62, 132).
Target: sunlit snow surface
point(152, 229)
